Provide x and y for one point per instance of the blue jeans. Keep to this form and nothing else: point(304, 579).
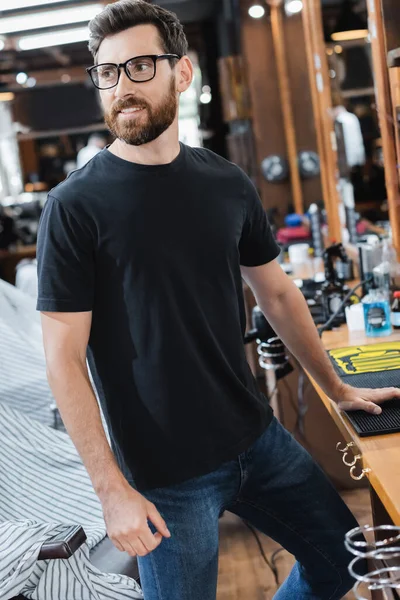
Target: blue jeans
point(278, 488)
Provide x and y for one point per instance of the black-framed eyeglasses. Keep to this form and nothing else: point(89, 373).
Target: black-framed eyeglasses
point(138, 69)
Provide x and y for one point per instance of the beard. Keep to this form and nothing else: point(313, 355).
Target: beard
point(149, 125)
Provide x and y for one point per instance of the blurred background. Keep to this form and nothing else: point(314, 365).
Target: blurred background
point(306, 130)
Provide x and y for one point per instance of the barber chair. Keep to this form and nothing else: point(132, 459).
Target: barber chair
point(105, 556)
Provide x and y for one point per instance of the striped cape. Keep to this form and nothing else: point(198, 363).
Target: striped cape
point(23, 382)
point(44, 489)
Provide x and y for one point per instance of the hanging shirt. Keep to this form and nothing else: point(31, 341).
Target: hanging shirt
point(85, 154)
point(155, 252)
point(353, 139)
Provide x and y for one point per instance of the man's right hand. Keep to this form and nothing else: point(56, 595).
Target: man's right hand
point(126, 513)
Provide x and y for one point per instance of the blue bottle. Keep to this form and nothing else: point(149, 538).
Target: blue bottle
point(377, 314)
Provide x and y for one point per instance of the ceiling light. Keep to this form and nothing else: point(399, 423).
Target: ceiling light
point(21, 78)
point(338, 49)
point(292, 7)
point(6, 97)
point(349, 26)
point(58, 38)
point(16, 4)
point(205, 98)
point(257, 11)
point(31, 82)
point(352, 34)
point(50, 18)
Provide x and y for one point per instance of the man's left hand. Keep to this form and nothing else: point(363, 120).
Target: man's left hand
point(350, 398)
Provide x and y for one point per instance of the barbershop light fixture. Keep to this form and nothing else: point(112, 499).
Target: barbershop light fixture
point(65, 16)
point(292, 7)
point(17, 4)
point(349, 26)
point(257, 11)
point(21, 78)
point(6, 97)
point(205, 98)
point(58, 38)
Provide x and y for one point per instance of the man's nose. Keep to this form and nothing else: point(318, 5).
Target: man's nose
point(124, 87)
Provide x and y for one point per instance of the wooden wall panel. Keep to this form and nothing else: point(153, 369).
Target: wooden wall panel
point(259, 58)
point(281, 52)
point(267, 116)
point(302, 103)
point(29, 157)
point(385, 112)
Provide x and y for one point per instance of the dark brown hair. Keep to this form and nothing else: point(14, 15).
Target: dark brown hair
point(123, 14)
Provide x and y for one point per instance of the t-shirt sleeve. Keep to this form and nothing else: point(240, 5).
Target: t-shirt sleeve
point(257, 245)
point(65, 254)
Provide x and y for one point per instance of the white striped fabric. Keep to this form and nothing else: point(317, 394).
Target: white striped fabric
point(18, 310)
point(44, 489)
point(23, 381)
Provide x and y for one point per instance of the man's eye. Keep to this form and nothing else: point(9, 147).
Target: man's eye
point(142, 67)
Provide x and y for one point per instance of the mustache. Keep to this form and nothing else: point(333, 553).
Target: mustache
point(128, 103)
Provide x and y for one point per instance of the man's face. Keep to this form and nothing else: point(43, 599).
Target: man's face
point(157, 100)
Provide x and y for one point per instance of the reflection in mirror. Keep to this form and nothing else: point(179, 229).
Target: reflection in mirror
point(354, 110)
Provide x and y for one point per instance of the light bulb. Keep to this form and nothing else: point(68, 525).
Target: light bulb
point(292, 7)
point(22, 78)
point(256, 11)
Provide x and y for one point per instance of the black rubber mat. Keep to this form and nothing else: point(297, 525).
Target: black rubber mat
point(364, 423)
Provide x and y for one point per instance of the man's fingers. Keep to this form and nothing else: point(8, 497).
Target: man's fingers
point(389, 393)
point(372, 408)
point(380, 395)
point(151, 541)
point(369, 407)
point(129, 548)
point(139, 547)
point(123, 545)
point(118, 545)
point(157, 520)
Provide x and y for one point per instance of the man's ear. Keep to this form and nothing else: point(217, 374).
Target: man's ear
point(184, 75)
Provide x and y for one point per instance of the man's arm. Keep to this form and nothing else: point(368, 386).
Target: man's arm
point(65, 337)
point(126, 512)
point(286, 310)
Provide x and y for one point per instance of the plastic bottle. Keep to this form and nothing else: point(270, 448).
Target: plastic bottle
point(377, 314)
point(395, 316)
point(315, 225)
point(389, 261)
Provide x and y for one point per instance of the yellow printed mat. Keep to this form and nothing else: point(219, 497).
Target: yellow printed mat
point(374, 358)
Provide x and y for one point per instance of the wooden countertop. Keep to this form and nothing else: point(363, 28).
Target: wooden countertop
point(380, 453)
point(18, 251)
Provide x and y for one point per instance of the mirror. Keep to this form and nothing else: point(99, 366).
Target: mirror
point(354, 109)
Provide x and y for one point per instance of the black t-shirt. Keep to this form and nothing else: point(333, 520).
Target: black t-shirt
point(155, 253)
